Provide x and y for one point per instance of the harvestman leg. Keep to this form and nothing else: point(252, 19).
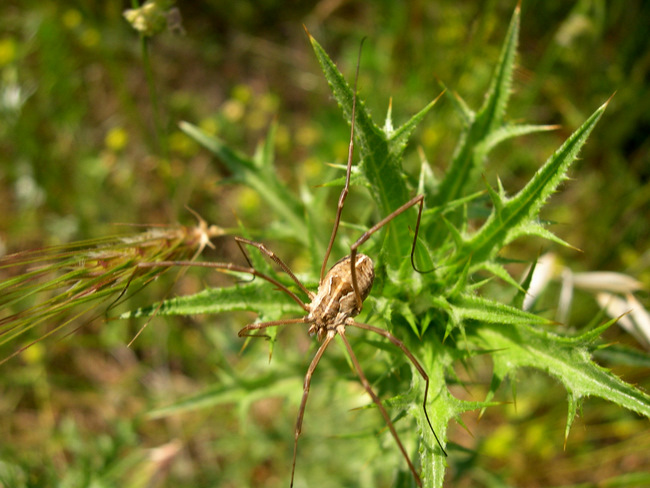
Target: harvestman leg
point(417, 200)
point(346, 187)
point(375, 398)
point(264, 325)
point(414, 362)
point(364, 381)
point(305, 394)
point(271, 255)
point(231, 267)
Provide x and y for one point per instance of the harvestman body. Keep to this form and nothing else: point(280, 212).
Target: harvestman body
point(340, 296)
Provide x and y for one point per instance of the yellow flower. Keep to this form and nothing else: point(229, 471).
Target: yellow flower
point(116, 139)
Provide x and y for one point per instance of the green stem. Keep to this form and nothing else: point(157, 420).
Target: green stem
point(153, 96)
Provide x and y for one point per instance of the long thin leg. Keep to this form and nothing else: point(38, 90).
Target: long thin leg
point(416, 200)
point(271, 255)
point(264, 325)
point(305, 394)
point(346, 188)
point(415, 362)
point(228, 267)
point(375, 399)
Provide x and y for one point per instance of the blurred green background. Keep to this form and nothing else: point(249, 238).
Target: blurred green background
point(82, 148)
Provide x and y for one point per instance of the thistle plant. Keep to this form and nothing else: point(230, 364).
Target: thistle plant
point(446, 316)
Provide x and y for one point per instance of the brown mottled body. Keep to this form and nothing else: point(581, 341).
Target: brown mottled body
point(336, 300)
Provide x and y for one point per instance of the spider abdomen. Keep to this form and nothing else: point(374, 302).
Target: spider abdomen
point(336, 300)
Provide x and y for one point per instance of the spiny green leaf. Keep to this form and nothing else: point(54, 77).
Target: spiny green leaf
point(466, 114)
point(566, 359)
point(252, 297)
point(506, 132)
point(488, 311)
point(427, 180)
point(500, 272)
point(399, 138)
point(388, 123)
point(593, 334)
point(518, 299)
point(467, 159)
point(531, 198)
point(367, 133)
point(432, 216)
point(459, 286)
point(520, 210)
point(535, 228)
point(490, 116)
point(443, 408)
point(497, 199)
point(380, 156)
point(455, 234)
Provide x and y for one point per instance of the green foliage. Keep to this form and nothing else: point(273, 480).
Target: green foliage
point(444, 316)
point(89, 138)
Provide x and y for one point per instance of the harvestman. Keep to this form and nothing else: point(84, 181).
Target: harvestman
point(340, 296)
